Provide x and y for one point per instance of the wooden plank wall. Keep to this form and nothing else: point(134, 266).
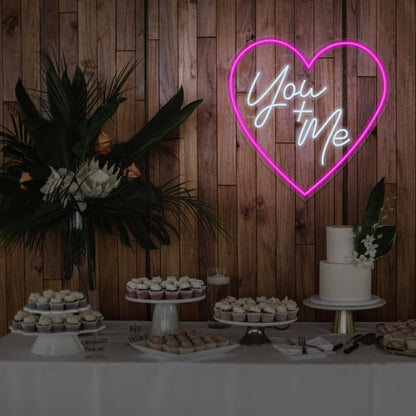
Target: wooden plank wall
point(275, 238)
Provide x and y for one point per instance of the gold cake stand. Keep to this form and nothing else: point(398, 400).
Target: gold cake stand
point(255, 335)
point(343, 321)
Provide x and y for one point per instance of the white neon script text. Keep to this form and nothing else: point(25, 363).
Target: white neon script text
point(288, 91)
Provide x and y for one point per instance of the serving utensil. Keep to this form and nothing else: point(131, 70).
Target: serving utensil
point(343, 344)
point(367, 339)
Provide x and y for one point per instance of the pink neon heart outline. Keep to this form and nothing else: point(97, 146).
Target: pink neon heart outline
point(308, 65)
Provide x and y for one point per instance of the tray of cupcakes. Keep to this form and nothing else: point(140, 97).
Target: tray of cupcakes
point(28, 323)
point(261, 311)
point(54, 303)
point(169, 290)
point(185, 345)
point(398, 337)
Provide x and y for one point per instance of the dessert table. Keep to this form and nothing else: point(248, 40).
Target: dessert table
point(119, 380)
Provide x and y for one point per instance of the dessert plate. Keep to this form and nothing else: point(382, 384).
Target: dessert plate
point(143, 347)
point(56, 313)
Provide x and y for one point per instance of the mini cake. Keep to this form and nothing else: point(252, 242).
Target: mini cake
point(44, 325)
point(171, 345)
point(155, 292)
point(210, 341)
point(57, 304)
point(185, 347)
point(222, 341)
point(155, 342)
point(42, 303)
point(185, 290)
point(32, 300)
point(73, 323)
point(198, 343)
point(238, 314)
point(29, 323)
point(57, 324)
point(89, 321)
point(254, 314)
point(268, 314)
point(171, 292)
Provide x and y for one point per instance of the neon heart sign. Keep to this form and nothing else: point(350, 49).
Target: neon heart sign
point(280, 93)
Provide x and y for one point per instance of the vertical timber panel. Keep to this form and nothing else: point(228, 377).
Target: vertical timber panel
point(207, 149)
point(226, 123)
point(406, 201)
point(207, 18)
point(266, 178)
point(188, 145)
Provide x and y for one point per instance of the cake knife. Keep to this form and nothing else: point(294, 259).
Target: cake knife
point(348, 341)
point(367, 339)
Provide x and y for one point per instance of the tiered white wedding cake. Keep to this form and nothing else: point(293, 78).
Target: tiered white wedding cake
point(339, 279)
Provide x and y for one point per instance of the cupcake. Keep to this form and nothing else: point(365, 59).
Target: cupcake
point(217, 310)
point(238, 314)
point(73, 323)
point(29, 323)
point(155, 342)
point(42, 304)
point(157, 279)
point(99, 316)
point(254, 314)
point(79, 296)
point(292, 309)
point(142, 291)
point(57, 304)
point(197, 288)
point(89, 321)
point(226, 311)
point(156, 292)
point(131, 289)
point(184, 279)
point(222, 341)
point(65, 292)
point(32, 300)
point(44, 325)
point(185, 290)
point(163, 284)
point(268, 314)
point(18, 320)
point(281, 313)
point(48, 294)
point(261, 299)
point(171, 279)
point(171, 292)
point(57, 324)
point(71, 302)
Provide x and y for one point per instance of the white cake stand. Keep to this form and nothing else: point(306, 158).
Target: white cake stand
point(57, 343)
point(165, 317)
point(343, 322)
point(255, 335)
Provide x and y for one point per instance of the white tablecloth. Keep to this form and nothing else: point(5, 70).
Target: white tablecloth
point(247, 381)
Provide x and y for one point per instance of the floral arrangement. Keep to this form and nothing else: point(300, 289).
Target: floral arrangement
point(61, 171)
point(372, 240)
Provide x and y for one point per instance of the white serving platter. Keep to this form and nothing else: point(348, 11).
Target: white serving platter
point(144, 348)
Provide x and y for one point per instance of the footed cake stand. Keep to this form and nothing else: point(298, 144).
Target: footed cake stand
point(255, 335)
point(343, 322)
point(57, 343)
point(165, 317)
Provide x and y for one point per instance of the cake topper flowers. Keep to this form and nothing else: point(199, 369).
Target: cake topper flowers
point(61, 170)
point(372, 240)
